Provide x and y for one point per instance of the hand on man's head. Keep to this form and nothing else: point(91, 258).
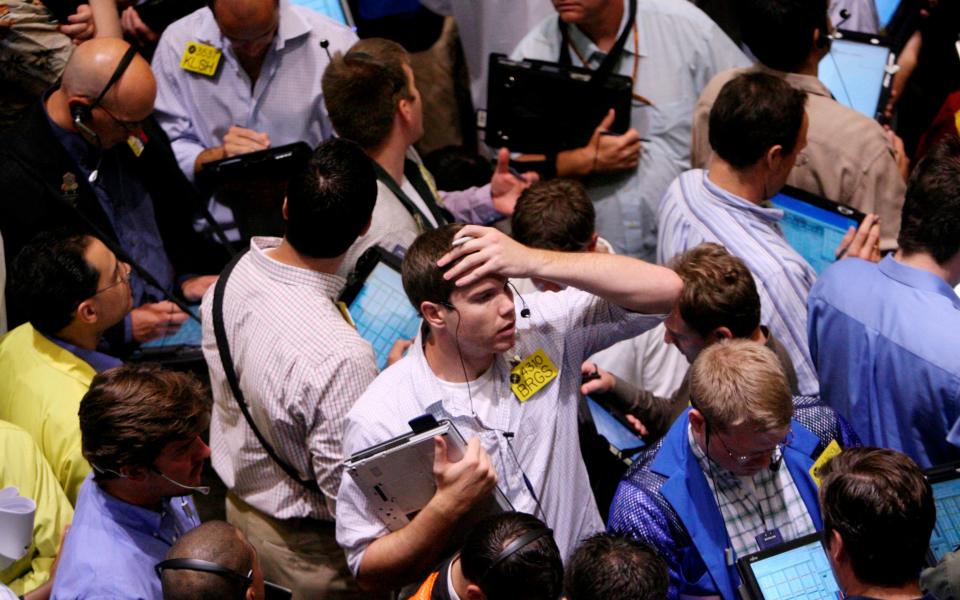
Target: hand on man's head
point(487, 252)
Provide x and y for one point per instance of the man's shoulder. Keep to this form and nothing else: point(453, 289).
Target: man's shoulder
point(709, 94)
point(40, 364)
point(194, 26)
point(385, 407)
point(683, 13)
point(843, 130)
point(849, 277)
point(339, 35)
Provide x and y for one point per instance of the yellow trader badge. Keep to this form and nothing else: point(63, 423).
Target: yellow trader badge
point(531, 375)
point(201, 59)
point(829, 452)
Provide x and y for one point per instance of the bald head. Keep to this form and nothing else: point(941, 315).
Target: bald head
point(250, 25)
point(217, 542)
point(91, 67)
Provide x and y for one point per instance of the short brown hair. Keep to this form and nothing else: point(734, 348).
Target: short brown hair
point(554, 215)
point(363, 88)
point(422, 279)
point(131, 412)
point(718, 291)
point(737, 382)
point(882, 506)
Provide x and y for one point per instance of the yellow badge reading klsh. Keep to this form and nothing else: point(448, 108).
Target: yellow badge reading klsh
point(531, 375)
point(200, 58)
point(829, 452)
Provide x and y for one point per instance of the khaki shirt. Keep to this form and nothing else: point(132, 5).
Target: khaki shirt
point(848, 158)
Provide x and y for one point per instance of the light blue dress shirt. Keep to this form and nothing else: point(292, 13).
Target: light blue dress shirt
point(286, 101)
point(694, 210)
point(885, 340)
point(680, 50)
point(113, 546)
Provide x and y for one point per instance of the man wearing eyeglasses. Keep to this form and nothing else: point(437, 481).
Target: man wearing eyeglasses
point(732, 476)
point(71, 288)
point(89, 156)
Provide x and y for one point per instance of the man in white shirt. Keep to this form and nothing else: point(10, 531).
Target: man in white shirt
point(507, 377)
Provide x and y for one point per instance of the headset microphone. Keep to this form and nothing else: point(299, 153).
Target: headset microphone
point(325, 44)
point(775, 465)
point(844, 17)
point(203, 489)
point(525, 311)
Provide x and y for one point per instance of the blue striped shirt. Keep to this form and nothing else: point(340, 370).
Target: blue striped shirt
point(694, 210)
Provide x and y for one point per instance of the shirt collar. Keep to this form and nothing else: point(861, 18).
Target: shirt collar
point(98, 360)
point(766, 213)
point(592, 53)
point(918, 279)
point(137, 518)
point(720, 476)
point(327, 284)
point(805, 83)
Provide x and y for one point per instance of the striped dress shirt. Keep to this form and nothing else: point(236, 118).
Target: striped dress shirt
point(694, 210)
point(300, 365)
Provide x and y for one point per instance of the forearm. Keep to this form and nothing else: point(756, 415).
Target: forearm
point(628, 282)
point(106, 18)
point(654, 412)
point(575, 163)
point(400, 557)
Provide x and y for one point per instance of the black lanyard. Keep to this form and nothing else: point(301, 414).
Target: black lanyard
point(613, 57)
point(411, 171)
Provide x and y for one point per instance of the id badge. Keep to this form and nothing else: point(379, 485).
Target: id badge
point(769, 539)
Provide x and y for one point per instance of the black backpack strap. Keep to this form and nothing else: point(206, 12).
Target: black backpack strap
point(223, 347)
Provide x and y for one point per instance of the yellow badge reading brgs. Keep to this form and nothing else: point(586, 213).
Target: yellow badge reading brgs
point(200, 58)
point(530, 376)
point(829, 452)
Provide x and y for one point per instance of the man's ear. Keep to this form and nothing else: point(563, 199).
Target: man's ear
point(433, 314)
point(835, 547)
point(697, 422)
point(720, 333)
point(592, 244)
point(474, 592)
point(86, 312)
point(285, 210)
point(774, 157)
point(133, 473)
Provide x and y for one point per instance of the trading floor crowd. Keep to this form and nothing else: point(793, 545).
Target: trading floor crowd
point(636, 368)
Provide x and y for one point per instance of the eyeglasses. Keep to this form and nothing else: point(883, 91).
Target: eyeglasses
point(195, 564)
point(130, 126)
point(743, 459)
point(123, 276)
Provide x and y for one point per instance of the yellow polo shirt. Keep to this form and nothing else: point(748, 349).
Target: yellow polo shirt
point(25, 469)
point(41, 385)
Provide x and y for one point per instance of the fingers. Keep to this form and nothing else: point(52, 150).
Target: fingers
point(503, 162)
point(240, 140)
point(474, 231)
point(594, 386)
point(637, 426)
point(440, 460)
point(607, 122)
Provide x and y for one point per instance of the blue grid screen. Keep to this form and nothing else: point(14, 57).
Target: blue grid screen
point(812, 231)
point(853, 72)
point(382, 312)
point(803, 573)
point(189, 334)
point(946, 532)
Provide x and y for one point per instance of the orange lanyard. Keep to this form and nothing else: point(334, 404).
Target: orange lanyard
point(636, 63)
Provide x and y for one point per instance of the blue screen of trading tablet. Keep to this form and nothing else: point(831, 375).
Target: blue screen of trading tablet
point(946, 532)
point(189, 334)
point(812, 231)
point(885, 10)
point(618, 435)
point(382, 312)
point(853, 72)
point(329, 8)
point(803, 573)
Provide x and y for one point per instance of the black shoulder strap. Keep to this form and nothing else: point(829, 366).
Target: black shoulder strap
point(223, 347)
point(416, 180)
point(610, 62)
